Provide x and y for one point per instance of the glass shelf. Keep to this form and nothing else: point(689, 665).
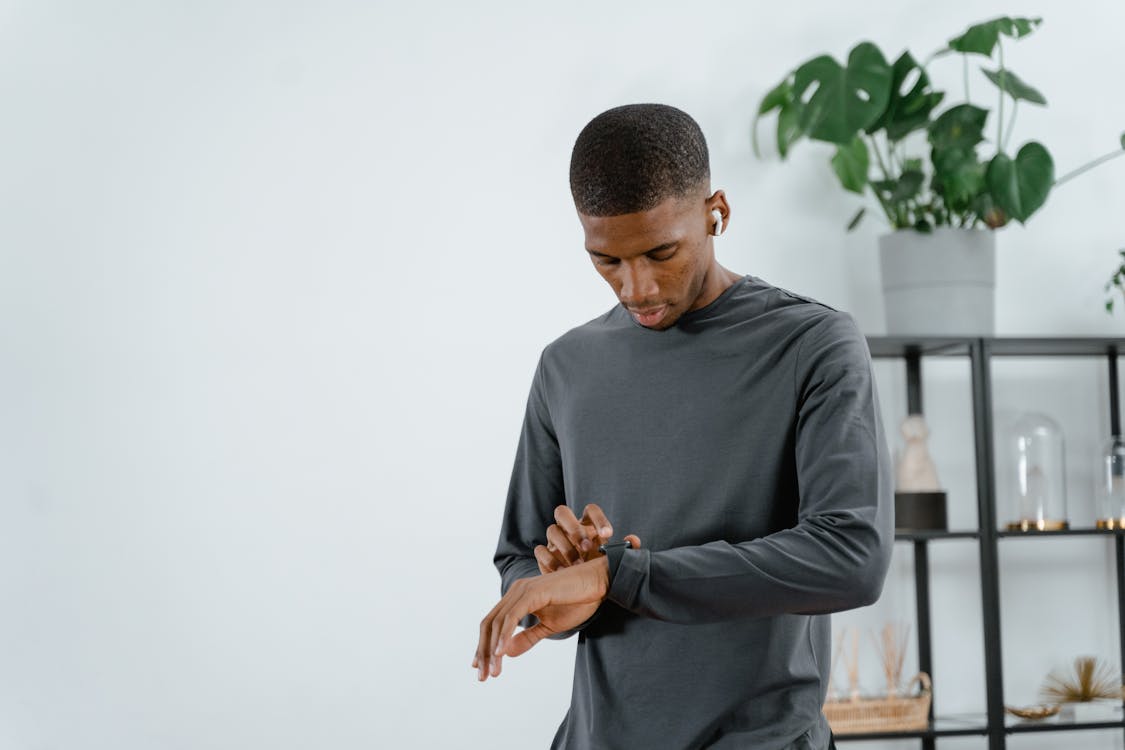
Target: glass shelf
point(1081, 346)
point(1013, 725)
point(942, 726)
point(975, 724)
point(1065, 532)
point(926, 536)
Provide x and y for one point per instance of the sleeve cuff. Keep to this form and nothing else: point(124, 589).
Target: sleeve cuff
point(625, 582)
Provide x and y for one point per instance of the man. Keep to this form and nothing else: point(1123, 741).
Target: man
point(732, 428)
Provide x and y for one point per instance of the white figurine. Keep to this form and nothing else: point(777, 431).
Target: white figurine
point(916, 472)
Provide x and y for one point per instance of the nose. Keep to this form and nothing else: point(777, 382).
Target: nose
point(638, 285)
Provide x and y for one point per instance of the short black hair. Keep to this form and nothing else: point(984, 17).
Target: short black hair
point(630, 158)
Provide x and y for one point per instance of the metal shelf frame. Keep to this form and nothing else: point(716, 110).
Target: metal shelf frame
point(980, 351)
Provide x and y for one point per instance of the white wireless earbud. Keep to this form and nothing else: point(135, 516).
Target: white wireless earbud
point(718, 228)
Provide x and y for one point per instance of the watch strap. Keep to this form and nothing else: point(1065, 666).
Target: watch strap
point(613, 552)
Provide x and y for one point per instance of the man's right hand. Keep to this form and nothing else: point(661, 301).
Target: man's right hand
point(571, 540)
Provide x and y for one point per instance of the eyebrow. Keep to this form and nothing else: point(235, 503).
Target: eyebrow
point(658, 248)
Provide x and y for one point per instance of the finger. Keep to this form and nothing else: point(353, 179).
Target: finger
point(492, 666)
point(484, 644)
point(595, 517)
point(565, 556)
point(565, 518)
point(634, 540)
point(530, 598)
point(559, 544)
point(508, 624)
point(480, 659)
point(482, 669)
point(521, 642)
point(507, 605)
point(547, 562)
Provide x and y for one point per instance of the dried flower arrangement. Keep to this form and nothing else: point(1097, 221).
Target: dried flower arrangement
point(892, 648)
point(1091, 680)
point(898, 709)
point(851, 663)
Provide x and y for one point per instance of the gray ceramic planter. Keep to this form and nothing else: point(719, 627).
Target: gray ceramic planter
point(939, 284)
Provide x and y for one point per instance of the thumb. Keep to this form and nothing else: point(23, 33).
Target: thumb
point(521, 642)
point(634, 540)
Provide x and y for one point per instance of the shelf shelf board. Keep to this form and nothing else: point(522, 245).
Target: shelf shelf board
point(975, 724)
point(928, 536)
point(900, 346)
point(1078, 346)
point(1067, 532)
point(940, 727)
point(1021, 726)
point(1012, 346)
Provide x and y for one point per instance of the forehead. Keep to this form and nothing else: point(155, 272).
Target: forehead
point(639, 232)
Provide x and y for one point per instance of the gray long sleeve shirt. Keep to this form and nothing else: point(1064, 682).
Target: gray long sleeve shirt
point(745, 448)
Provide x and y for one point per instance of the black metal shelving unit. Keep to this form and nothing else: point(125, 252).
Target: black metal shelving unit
point(980, 353)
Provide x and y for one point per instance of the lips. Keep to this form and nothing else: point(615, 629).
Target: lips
point(649, 316)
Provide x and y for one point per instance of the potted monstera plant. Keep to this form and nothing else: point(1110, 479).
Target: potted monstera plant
point(944, 177)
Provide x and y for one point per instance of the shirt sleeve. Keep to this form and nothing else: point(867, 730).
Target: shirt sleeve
point(535, 490)
point(836, 556)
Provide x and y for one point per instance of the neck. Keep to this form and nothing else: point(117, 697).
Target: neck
point(717, 281)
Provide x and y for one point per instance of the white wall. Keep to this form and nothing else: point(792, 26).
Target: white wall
point(274, 276)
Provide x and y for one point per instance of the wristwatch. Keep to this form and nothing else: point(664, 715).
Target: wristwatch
point(614, 551)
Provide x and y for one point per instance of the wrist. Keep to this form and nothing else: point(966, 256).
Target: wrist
point(613, 552)
point(602, 564)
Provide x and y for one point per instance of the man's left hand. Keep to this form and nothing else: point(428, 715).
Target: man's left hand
point(561, 600)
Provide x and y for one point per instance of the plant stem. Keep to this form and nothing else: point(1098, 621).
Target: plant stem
point(878, 197)
point(879, 158)
point(1011, 124)
point(965, 73)
point(1088, 166)
point(900, 157)
point(1000, 108)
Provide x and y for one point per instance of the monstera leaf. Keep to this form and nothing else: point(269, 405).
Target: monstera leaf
point(788, 128)
point(851, 163)
point(958, 176)
point(982, 38)
point(1013, 86)
point(907, 111)
point(780, 97)
point(904, 188)
point(958, 127)
point(834, 103)
point(1019, 186)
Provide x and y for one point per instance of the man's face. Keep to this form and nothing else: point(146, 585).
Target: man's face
point(656, 260)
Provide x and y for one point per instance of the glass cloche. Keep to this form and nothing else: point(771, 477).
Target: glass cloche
point(1111, 492)
point(1038, 474)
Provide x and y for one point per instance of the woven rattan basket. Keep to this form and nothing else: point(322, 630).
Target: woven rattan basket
point(889, 714)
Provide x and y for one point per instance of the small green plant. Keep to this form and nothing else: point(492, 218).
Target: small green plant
point(1116, 282)
point(869, 109)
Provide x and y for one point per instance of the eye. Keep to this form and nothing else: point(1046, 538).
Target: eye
point(605, 260)
point(660, 255)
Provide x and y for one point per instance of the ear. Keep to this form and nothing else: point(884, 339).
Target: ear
point(718, 202)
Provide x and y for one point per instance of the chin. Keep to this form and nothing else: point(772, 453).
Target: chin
point(667, 323)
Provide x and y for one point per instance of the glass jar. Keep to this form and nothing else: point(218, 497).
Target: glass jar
point(1038, 475)
point(1111, 493)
